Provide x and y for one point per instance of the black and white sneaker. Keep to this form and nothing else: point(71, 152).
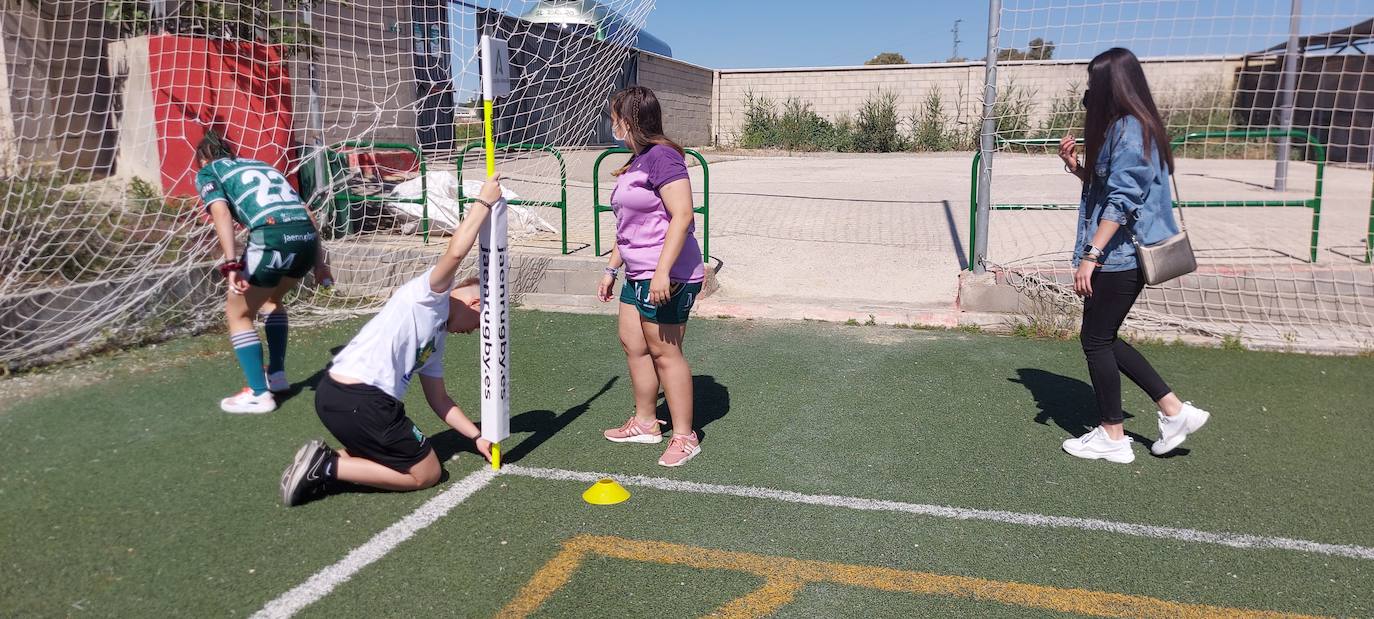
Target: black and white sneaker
point(306, 472)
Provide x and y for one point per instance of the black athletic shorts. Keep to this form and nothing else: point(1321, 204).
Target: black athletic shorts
point(370, 424)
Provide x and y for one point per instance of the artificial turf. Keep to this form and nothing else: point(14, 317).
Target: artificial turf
point(133, 495)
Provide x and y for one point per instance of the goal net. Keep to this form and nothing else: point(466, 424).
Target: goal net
point(1269, 113)
point(371, 108)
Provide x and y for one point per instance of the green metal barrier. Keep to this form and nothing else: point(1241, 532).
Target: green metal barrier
point(344, 200)
point(704, 210)
point(1314, 203)
point(561, 204)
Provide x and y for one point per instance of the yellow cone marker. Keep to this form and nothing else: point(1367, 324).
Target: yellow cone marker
point(605, 492)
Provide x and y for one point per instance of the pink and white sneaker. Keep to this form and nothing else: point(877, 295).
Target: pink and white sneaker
point(245, 402)
point(635, 431)
point(681, 448)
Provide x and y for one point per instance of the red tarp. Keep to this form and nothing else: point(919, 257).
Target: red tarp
point(242, 90)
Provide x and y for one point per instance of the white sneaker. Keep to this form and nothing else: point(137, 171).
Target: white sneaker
point(244, 402)
point(277, 383)
point(1096, 445)
point(1172, 430)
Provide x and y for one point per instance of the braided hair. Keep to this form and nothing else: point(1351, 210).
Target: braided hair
point(638, 109)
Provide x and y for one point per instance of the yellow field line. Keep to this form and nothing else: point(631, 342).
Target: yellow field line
point(545, 582)
point(764, 601)
point(784, 577)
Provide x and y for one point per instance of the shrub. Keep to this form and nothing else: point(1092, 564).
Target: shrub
point(845, 137)
point(929, 126)
point(760, 122)
point(1066, 115)
point(801, 128)
point(1012, 112)
point(877, 130)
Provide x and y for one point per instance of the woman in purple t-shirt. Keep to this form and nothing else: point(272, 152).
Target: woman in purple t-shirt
point(654, 240)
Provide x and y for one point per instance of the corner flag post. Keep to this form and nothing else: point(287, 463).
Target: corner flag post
point(493, 267)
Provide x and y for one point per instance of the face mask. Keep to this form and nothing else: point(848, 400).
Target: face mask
point(615, 134)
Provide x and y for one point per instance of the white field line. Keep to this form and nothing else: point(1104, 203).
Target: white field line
point(329, 578)
point(1234, 540)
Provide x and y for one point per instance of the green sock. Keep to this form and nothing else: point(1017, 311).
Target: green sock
point(248, 348)
point(276, 326)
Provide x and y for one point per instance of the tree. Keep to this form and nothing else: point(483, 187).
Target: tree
point(1040, 49)
point(263, 21)
point(956, 59)
point(887, 58)
point(1037, 49)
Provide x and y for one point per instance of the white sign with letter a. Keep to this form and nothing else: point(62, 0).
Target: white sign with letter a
point(495, 68)
point(493, 265)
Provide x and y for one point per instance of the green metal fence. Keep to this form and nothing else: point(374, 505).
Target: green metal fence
point(1314, 203)
point(561, 204)
point(704, 210)
point(344, 200)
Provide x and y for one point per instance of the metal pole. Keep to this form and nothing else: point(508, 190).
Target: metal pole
point(955, 53)
point(1288, 84)
point(986, 143)
point(314, 115)
point(1369, 240)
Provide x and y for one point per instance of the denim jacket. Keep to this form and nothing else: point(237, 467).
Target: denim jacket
point(1128, 188)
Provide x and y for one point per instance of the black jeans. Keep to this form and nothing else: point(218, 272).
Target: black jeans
point(1108, 356)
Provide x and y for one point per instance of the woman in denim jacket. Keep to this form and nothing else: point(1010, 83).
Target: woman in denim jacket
point(1125, 191)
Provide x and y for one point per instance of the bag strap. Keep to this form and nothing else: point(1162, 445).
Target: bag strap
point(1173, 205)
point(1181, 226)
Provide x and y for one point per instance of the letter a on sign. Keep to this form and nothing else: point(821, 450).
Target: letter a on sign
point(495, 68)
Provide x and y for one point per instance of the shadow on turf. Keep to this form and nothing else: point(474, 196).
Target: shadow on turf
point(710, 401)
point(544, 424)
point(312, 382)
point(1070, 404)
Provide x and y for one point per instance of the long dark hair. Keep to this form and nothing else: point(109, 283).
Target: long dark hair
point(1117, 88)
point(213, 147)
point(638, 108)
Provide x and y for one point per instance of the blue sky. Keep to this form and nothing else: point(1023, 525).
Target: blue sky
point(726, 34)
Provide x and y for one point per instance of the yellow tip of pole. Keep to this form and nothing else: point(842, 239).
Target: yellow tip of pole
point(490, 137)
point(496, 456)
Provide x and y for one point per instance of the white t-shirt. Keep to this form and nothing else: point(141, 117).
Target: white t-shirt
point(408, 334)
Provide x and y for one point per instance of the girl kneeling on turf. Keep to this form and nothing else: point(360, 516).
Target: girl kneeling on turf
point(654, 239)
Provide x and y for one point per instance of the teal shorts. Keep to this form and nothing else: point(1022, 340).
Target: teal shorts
point(274, 252)
point(636, 292)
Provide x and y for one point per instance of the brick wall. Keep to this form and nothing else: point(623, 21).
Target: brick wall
point(684, 90)
point(836, 91)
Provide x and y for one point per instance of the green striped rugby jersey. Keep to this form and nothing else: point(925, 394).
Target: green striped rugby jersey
point(258, 195)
